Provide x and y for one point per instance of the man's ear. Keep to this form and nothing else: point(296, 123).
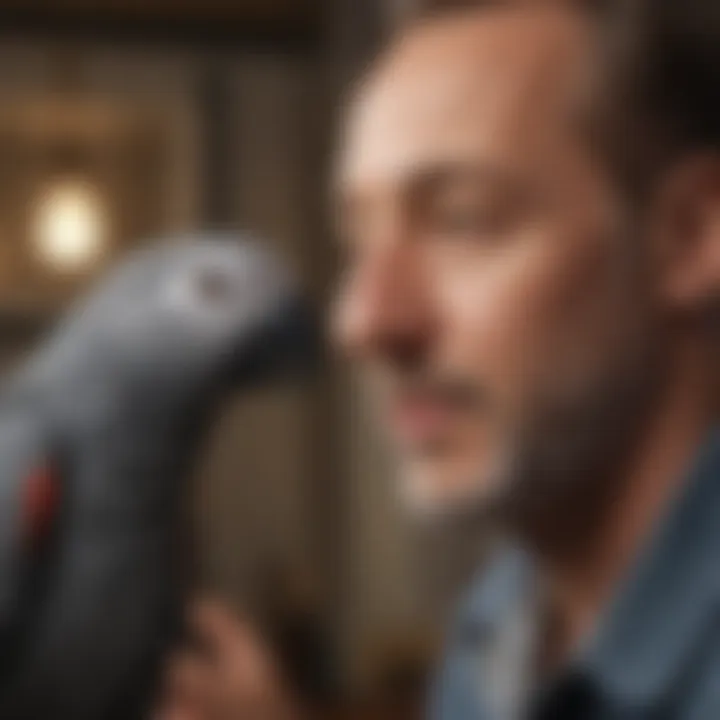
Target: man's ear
point(686, 233)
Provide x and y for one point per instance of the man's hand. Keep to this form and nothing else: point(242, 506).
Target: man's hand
point(228, 676)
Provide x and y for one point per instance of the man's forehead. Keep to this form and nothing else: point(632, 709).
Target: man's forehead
point(472, 85)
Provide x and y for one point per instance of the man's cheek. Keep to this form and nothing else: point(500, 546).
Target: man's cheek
point(493, 316)
point(520, 317)
point(494, 344)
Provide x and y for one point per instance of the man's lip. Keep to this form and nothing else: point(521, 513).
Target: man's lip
point(420, 420)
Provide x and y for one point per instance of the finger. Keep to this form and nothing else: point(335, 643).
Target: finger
point(178, 711)
point(215, 619)
point(245, 676)
point(224, 634)
point(189, 680)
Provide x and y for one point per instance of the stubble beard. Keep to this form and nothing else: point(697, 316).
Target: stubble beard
point(556, 475)
point(565, 468)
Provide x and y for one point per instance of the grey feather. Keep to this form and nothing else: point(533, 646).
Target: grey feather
point(118, 398)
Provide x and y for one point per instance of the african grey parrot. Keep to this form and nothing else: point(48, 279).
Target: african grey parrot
point(98, 432)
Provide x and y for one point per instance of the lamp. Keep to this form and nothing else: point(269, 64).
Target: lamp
point(70, 230)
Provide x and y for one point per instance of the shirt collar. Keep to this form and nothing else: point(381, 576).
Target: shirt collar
point(659, 615)
point(507, 577)
point(673, 593)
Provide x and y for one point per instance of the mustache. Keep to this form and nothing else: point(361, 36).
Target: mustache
point(444, 388)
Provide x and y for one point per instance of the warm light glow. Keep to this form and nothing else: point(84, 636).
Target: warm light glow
point(70, 226)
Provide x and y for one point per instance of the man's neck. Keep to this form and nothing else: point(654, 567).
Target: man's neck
point(582, 576)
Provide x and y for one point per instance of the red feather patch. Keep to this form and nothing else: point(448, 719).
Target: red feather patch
point(41, 499)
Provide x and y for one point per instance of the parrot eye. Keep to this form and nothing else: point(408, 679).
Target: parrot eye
point(203, 292)
point(213, 286)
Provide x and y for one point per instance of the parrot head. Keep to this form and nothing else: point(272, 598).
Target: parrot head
point(181, 315)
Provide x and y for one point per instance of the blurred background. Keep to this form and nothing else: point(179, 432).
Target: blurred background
point(122, 121)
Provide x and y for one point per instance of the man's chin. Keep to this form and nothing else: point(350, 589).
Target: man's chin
point(430, 494)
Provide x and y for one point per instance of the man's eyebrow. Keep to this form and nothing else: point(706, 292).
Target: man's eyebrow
point(422, 180)
point(437, 175)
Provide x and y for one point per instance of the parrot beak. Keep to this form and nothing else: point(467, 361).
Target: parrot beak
point(290, 347)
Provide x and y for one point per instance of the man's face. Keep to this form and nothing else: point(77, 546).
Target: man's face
point(490, 293)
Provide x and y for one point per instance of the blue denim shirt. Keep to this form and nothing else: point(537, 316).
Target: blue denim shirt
point(655, 655)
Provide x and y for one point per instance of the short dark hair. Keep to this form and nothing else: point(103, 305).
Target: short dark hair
point(662, 72)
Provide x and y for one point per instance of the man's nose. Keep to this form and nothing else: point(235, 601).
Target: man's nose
point(384, 307)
